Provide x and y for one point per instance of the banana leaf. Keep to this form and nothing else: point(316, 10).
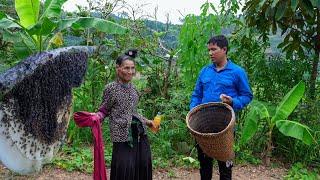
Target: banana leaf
point(289, 102)
point(52, 8)
point(296, 130)
point(250, 126)
point(28, 12)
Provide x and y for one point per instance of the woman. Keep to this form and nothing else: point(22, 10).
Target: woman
point(131, 154)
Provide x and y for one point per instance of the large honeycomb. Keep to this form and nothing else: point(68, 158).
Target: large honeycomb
point(35, 106)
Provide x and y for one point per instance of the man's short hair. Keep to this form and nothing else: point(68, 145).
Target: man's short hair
point(220, 40)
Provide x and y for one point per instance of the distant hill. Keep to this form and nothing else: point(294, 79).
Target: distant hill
point(171, 37)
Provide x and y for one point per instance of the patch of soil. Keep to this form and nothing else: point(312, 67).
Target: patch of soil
point(240, 172)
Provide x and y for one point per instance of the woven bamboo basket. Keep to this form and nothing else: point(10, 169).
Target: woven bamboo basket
point(212, 125)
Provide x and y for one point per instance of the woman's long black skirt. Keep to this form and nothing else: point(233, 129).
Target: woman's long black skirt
point(131, 163)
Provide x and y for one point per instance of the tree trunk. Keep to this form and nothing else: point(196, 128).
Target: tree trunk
point(269, 149)
point(315, 62)
point(167, 79)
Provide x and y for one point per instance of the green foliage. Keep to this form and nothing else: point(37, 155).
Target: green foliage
point(296, 130)
point(52, 8)
point(293, 129)
point(75, 158)
point(246, 156)
point(250, 124)
point(271, 71)
point(271, 15)
point(78, 158)
point(299, 171)
point(264, 64)
point(173, 131)
point(32, 34)
point(284, 109)
point(8, 57)
point(194, 35)
point(289, 102)
point(169, 34)
point(299, 24)
point(28, 12)
point(293, 150)
point(90, 22)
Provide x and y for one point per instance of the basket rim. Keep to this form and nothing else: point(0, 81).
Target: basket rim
point(198, 107)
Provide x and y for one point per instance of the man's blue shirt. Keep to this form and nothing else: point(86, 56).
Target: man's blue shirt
point(232, 80)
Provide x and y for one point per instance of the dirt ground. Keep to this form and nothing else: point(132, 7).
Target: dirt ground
point(243, 172)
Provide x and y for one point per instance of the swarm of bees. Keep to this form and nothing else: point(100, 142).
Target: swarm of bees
point(35, 109)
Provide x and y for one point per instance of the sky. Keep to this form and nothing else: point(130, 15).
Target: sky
point(176, 8)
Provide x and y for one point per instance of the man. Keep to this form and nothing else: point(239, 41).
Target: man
point(220, 81)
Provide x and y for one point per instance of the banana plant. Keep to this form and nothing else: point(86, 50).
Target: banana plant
point(34, 32)
point(259, 111)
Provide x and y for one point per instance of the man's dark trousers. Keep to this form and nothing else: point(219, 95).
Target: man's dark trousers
point(206, 167)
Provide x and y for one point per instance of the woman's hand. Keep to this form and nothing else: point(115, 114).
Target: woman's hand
point(97, 116)
point(152, 126)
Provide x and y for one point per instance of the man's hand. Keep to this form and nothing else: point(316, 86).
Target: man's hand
point(226, 99)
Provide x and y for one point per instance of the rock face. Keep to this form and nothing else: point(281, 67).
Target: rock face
point(35, 106)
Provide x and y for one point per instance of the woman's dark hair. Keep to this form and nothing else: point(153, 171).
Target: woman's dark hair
point(220, 40)
point(129, 55)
